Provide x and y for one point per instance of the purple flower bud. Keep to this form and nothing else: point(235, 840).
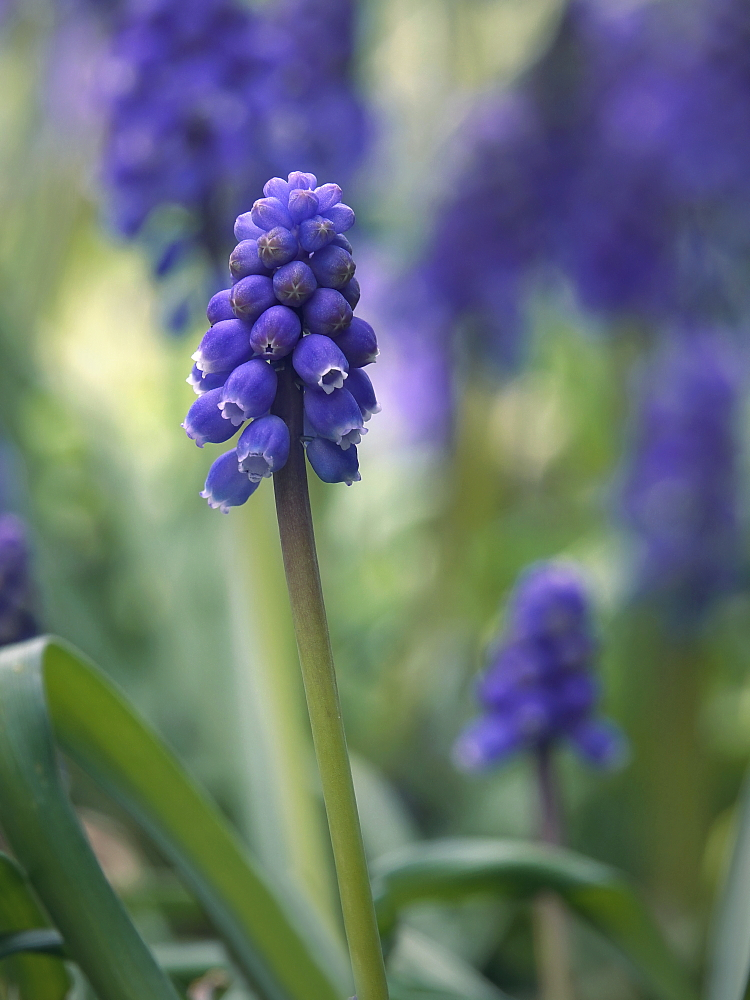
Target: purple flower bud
point(245, 228)
point(351, 293)
point(331, 463)
point(359, 343)
point(277, 247)
point(327, 312)
point(341, 216)
point(224, 346)
point(298, 179)
point(316, 233)
point(335, 416)
point(277, 187)
point(251, 296)
point(600, 743)
point(275, 333)
point(294, 283)
point(269, 213)
point(489, 739)
point(318, 362)
point(220, 307)
point(248, 392)
point(339, 240)
point(204, 422)
point(328, 196)
point(206, 381)
point(245, 259)
point(303, 204)
point(226, 486)
point(263, 448)
point(360, 386)
point(332, 267)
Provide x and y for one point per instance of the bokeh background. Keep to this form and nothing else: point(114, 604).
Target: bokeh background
point(553, 243)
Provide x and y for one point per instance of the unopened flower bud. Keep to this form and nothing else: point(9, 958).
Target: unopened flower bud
point(294, 283)
point(251, 296)
point(341, 216)
point(328, 196)
point(332, 267)
point(245, 228)
point(220, 307)
point(359, 343)
point(277, 247)
point(299, 179)
point(245, 259)
point(316, 233)
point(327, 312)
point(267, 213)
point(303, 204)
point(351, 293)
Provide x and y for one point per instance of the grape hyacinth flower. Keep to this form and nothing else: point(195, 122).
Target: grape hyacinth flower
point(17, 619)
point(539, 689)
point(680, 491)
point(285, 316)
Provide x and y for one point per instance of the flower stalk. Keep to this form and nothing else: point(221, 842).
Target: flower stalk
point(316, 661)
point(550, 918)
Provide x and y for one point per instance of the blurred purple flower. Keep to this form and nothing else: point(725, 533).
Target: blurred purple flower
point(679, 494)
point(17, 619)
point(539, 688)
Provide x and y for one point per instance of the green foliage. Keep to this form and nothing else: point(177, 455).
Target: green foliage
point(97, 728)
point(453, 869)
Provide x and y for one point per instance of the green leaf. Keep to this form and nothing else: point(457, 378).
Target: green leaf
point(39, 977)
point(453, 869)
point(283, 954)
point(729, 958)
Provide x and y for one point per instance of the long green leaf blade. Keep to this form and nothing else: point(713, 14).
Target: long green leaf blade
point(279, 953)
point(729, 963)
point(452, 869)
point(39, 977)
point(47, 839)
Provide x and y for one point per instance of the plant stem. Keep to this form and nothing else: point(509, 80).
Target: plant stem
point(550, 918)
point(319, 677)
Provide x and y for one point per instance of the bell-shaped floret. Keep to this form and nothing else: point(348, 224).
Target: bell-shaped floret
point(206, 381)
point(331, 463)
point(245, 259)
point(220, 307)
point(332, 267)
point(204, 422)
point(275, 333)
point(294, 283)
point(224, 346)
point(360, 386)
point(251, 296)
point(315, 233)
point(327, 312)
point(248, 392)
point(359, 343)
point(263, 447)
point(277, 247)
point(225, 485)
point(335, 416)
point(318, 362)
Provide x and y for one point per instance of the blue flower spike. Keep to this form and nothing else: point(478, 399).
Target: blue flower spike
point(539, 689)
point(290, 306)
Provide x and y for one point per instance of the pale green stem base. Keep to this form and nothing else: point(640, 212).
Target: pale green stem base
point(316, 661)
point(550, 918)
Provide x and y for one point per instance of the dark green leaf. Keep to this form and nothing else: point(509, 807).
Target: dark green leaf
point(453, 869)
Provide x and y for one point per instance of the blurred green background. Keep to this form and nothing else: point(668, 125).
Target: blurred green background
point(187, 609)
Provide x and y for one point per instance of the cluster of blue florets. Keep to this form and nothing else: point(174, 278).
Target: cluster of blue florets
point(292, 300)
point(539, 687)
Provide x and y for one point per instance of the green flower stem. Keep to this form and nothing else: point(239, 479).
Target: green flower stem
point(550, 918)
point(319, 677)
